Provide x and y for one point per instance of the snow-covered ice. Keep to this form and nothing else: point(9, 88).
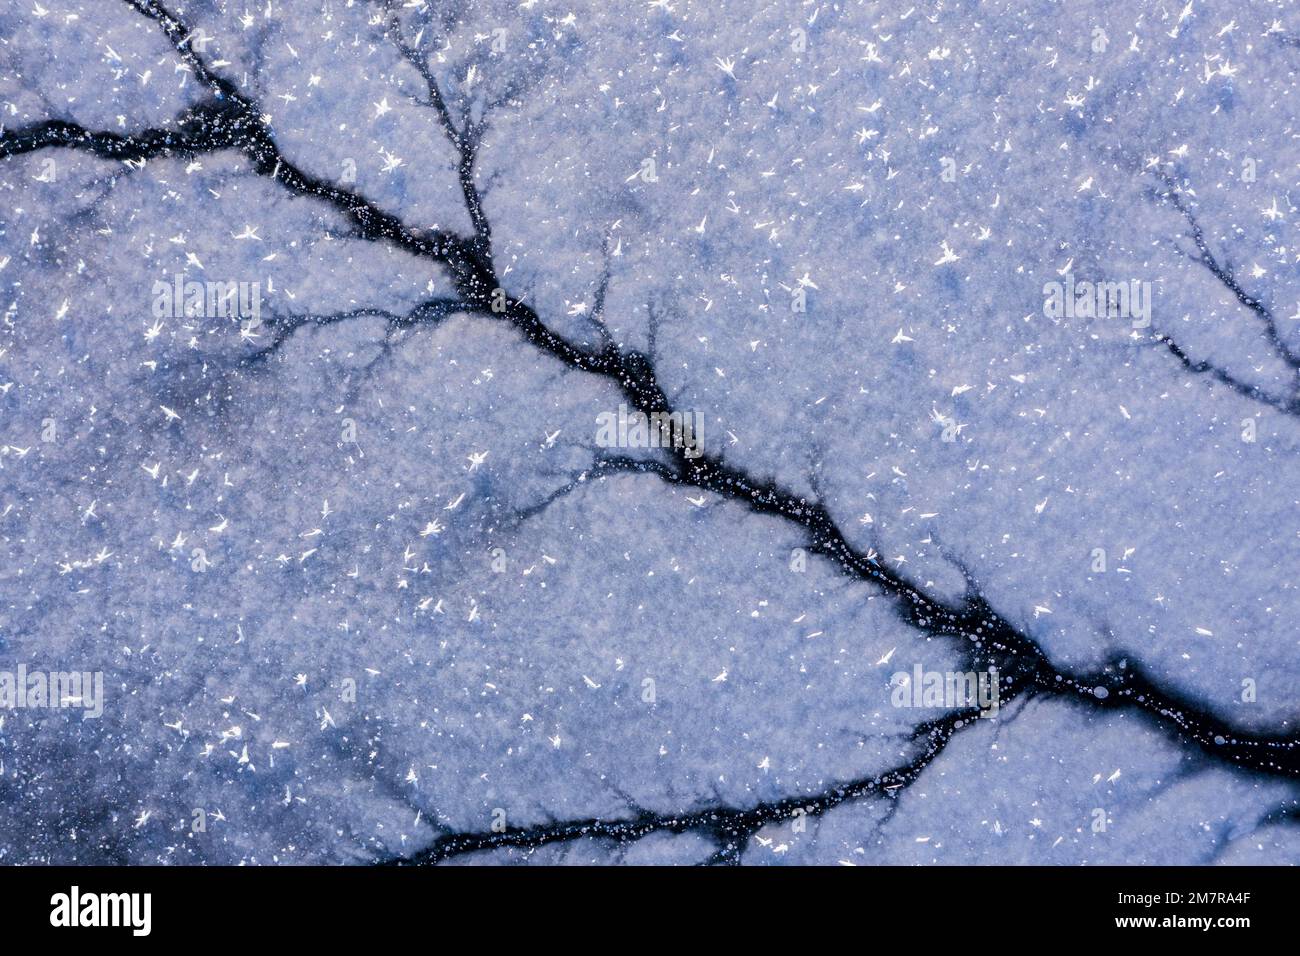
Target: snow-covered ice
point(364, 585)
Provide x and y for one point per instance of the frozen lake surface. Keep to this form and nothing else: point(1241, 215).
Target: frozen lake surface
point(660, 432)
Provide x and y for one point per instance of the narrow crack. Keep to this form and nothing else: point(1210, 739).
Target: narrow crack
point(281, 328)
point(729, 828)
point(1205, 257)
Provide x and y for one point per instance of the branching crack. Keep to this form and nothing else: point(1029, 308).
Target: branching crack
point(1226, 276)
point(729, 828)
